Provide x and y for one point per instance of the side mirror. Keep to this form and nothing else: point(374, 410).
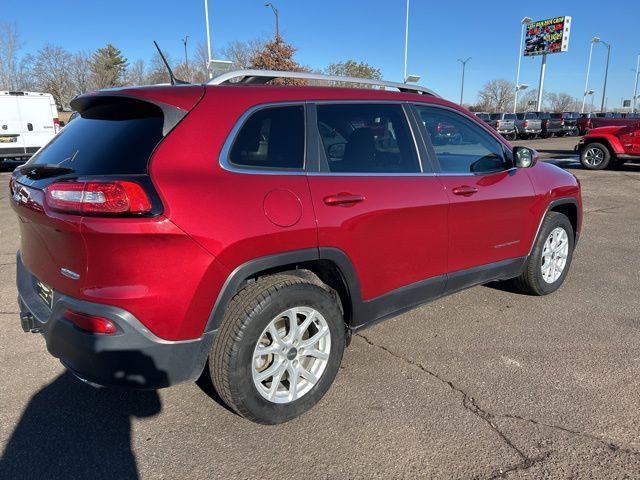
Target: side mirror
point(524, 157)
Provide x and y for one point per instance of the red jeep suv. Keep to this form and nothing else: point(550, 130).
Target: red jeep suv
point(247, 230)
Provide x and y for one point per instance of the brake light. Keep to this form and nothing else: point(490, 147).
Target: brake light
point(497, 123)
point(97, 197)
point(526, 124)
point(439, 128)
point(90, 323)
point(562, 122)
point(56, 124)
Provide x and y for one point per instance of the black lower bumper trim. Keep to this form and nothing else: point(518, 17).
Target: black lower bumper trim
point(133, 357)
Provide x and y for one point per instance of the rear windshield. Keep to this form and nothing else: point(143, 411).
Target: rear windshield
point(115, 139)
point(509, 116)
point(558, 115)
point(530, 116)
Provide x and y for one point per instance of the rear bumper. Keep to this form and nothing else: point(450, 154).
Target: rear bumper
point(132, 357)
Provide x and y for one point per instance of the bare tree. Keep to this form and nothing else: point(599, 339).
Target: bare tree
point(157, 70)
point(136, 74)
point(561, 102)
point(9, 62)
point(80, 73)
point(528, 101)
point(497, 96)
point(51, 73)
point(242, 53)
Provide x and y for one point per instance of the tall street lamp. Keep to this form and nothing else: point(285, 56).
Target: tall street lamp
point(635, 85)
point(206, 21)
point(586, 83)
point(276, 13)
point(525, 21)
point(184, 42)
point(406, 42)
point(606, 71)
point(464, 64)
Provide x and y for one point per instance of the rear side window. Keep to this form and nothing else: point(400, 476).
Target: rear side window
point(114, 138)
point(271, 138)
point(367, 138)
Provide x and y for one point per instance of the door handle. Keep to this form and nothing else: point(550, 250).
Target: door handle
point(343, 199)
point(464, 190)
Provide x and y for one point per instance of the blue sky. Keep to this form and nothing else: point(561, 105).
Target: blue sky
point(373, 30)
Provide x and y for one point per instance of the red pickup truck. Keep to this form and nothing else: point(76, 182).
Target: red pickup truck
point(589, 121)
point(610, 146)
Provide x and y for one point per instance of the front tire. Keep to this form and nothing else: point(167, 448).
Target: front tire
point(550, 259)
point(278, 349)
point(595, 156)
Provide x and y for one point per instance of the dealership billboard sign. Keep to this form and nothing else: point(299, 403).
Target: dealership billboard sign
point(547, 36)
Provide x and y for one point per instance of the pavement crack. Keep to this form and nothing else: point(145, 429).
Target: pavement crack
point(468, 402)
point(518, 467)
point(609, 445)
point(471, 405)
point(604, 209)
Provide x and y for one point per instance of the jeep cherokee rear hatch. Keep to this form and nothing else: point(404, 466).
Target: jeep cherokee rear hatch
point(86, 203)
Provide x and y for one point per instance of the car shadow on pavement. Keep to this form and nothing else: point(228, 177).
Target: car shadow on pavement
point(72, 430)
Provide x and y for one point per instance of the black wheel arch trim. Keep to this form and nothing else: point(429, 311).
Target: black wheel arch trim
point(361, 313)
point(552, 204)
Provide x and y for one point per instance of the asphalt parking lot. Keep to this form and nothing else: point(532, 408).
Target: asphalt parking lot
point(483, 384)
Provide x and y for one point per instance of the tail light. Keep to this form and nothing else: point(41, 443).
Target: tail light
point(115, 197)
point(56, 124)
point(497, 123)
point(589, 124)
point(439, 128)
point(526, 124)
point(90, 323)
point(545, 123)
point(562, 122)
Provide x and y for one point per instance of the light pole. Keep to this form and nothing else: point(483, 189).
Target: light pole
point(586, 83)
point(184, 42)
point(276, 13)
point(635, 85)
point(406, 42)
point(606, 71)
point(524, 22)
point(464, 64)
point(587, 93)
point(206, 21)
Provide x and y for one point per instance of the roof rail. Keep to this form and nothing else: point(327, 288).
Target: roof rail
point(260, 77)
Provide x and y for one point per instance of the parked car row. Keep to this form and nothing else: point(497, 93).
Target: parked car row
point(528, 125)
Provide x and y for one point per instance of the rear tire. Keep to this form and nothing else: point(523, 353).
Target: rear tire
point(259, 318)
point(595, 156)
point(550, 259)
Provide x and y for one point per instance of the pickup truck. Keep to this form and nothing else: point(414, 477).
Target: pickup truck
point(589, 122)
point(610, 146)
point(569, 121)
point(528, 125)
point(551, 124)
point(504, 123)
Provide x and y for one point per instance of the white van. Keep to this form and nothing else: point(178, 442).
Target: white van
point(28, 120)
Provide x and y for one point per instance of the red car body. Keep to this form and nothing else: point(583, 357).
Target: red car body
point(164, 278)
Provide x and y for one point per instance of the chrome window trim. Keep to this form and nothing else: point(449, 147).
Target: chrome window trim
point(225, 152)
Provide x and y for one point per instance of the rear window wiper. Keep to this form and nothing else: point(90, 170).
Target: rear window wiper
point(44, 170)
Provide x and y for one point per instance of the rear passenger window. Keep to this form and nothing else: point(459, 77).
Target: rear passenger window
point(271, 138)
point(366, 138)
point(461, 146)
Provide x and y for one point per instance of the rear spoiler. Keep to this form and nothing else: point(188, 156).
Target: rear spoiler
point(174, 103)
